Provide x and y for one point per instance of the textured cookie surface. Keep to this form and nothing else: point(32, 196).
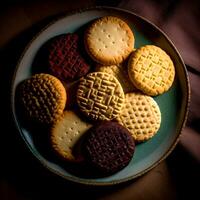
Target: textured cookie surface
point(65, 59)
point(141, 116)
point(43, 97)
point(109, 147)
point(66, 133)
point(109, 40)
point(151, 70)
point(121, 73)
point(100, 96)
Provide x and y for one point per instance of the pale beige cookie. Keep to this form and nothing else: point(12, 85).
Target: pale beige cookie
point(121, 73)
point(100, 96)
point(109, 40)
point(66, 133)
point(151, 70)
point(43, 97)
point(141, 116)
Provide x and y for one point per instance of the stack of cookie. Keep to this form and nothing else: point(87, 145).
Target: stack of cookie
point(114, 92)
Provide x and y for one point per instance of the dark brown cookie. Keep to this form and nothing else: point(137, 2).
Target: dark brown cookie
point(65, 58)
point(109, 147)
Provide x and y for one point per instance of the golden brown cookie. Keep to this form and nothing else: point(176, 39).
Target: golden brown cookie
point(151, 70)
point(121, 73)
point(43, 97)
point(100, 96)
point(66, 133)
point(109, 40)
point(141, 116)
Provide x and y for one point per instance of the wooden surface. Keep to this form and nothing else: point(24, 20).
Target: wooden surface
point(22, 177)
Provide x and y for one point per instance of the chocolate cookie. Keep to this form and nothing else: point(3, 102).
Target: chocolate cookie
point(65, 59)
point(109, 147)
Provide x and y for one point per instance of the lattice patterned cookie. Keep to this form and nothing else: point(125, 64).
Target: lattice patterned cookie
point(141, 116)
point(43, 97)
point(66, 133)
point(66, 59)
point(100, 96)
point(151, 70)
point(109, 40)
point(109, 147)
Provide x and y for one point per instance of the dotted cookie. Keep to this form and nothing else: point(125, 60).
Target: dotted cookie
point(121, 73)
point(43, 97)
point(151, 70)
point(109, 40)
point(66, 133)
point(100, 96)
point(141, 116)
point(108, 147)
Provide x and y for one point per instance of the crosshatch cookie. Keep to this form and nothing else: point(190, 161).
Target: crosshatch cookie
point(43, 97)
point(141, 116)
point(151, 70)
point(109, 40)
point(65, 58)
point(108, 147)
point(100, 96)
point(66, 133)
point(121, 73)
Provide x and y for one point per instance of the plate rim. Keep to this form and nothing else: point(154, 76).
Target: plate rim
point(183, 119)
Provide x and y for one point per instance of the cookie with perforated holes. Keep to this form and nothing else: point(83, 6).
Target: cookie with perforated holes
point(141, 116)
point(100, 96)
point(151, 70)
point(43, 98)
point(66, 60)
point(108, 147)
point(66, 133)
point(109, 40)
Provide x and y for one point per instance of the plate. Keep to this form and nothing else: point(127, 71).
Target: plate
point(173, 104)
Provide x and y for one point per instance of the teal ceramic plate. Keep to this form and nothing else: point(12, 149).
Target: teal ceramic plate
point(173, 104)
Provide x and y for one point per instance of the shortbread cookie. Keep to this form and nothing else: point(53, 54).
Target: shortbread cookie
point(151, 70)
point(141, 116)
point(109, 40)
point(66, 133)
point(43, 97)
point(108, 147)
point(121, 73)
point(100, 96)
point(66, 59)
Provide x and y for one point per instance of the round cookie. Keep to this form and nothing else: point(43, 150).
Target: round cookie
point(121, 73)
point(108, 147)
point(141, 116)
point(151, 70)
point(43, 97)
point(66, 133)
point(100, 96)
point(109, 40)
point(65, 58)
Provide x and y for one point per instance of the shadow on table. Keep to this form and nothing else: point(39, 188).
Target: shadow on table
point(185, 171)
point(29, 177)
